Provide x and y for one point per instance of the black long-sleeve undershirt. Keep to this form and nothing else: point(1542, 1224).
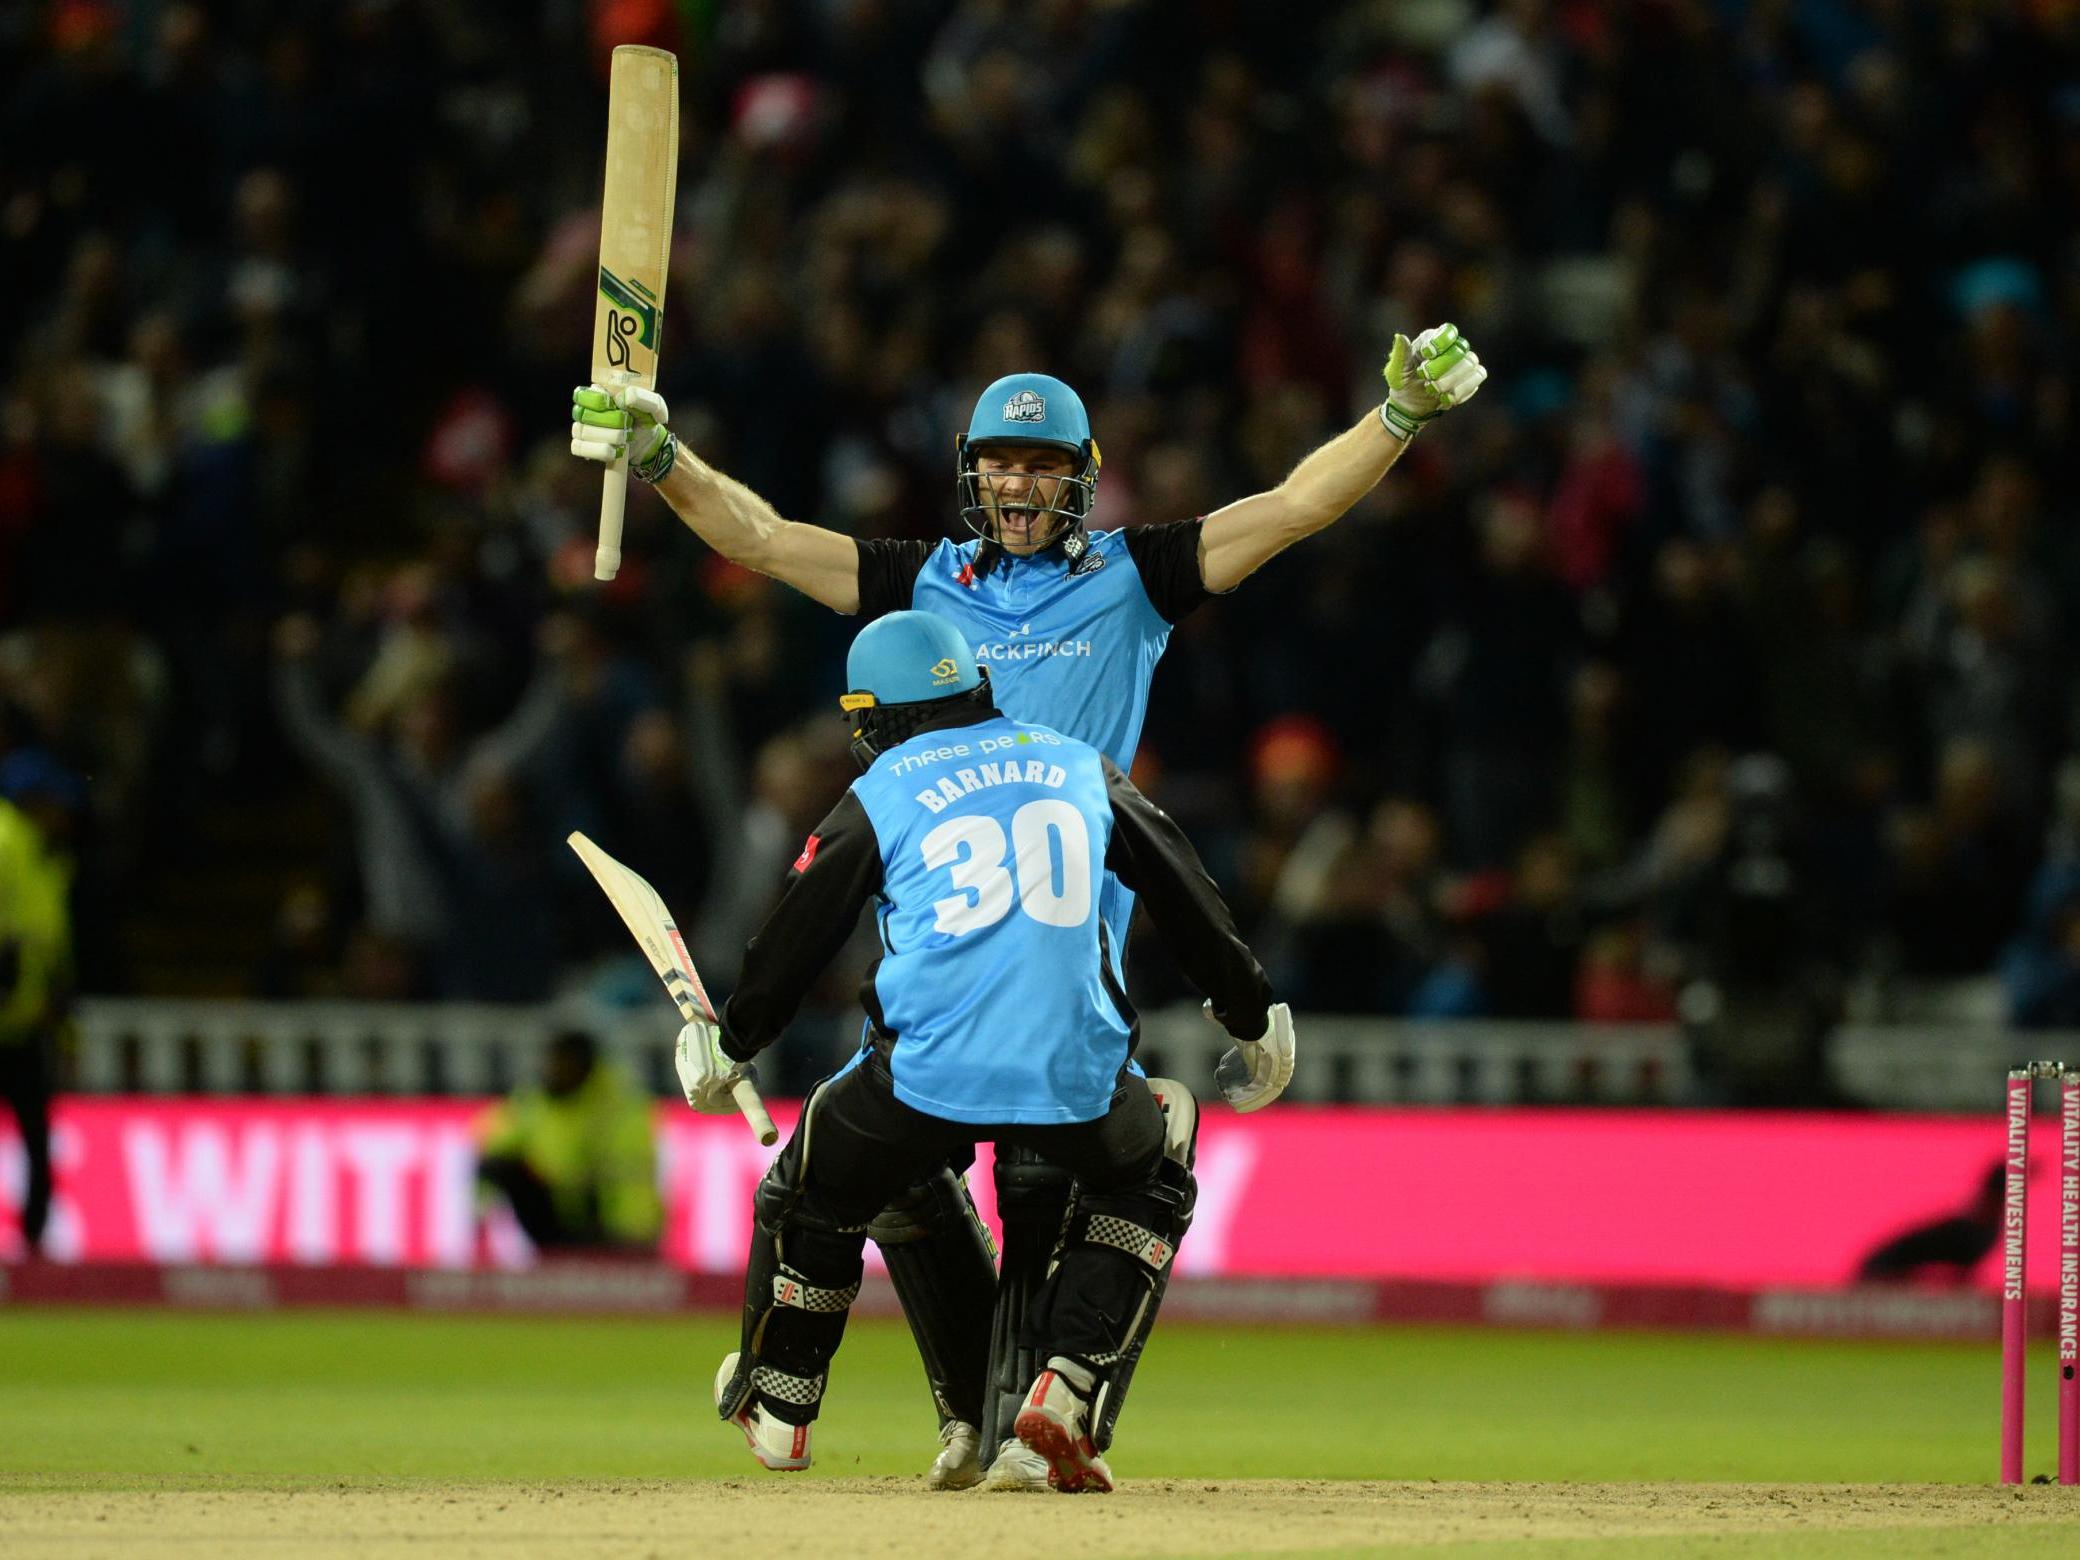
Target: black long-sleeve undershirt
point(1151, 855)
point(840, 870)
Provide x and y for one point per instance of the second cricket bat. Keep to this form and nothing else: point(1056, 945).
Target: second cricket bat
point(635, 245)
point(651, 924)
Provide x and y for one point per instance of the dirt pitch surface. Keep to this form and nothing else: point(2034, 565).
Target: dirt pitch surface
point(766, 1518)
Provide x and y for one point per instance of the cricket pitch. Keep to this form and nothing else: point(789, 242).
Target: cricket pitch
point(772, 1517)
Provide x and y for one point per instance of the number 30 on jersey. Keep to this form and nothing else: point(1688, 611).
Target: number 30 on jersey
point(1048, 873)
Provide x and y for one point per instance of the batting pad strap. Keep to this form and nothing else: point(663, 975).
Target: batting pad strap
point(804, 1391)
point(790, 1288)
point(1137, 1241)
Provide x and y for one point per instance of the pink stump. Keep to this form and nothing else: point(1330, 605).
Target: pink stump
point(2069, 1280)
point(2014, 1285)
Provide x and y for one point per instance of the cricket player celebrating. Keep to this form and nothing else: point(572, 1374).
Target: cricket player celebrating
point(1071, 623)
point(993, 1014)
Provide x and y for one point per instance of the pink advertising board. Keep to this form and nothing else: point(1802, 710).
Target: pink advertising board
point(1737, 1200)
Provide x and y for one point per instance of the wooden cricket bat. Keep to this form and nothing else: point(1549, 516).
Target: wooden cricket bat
point(650, 923)
point(635, 245)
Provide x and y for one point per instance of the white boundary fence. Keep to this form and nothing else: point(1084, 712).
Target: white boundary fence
point(168, 1047)
point(1381, 1061)
point(164, 1047)
point(1936, 1068)
point(230, 1047)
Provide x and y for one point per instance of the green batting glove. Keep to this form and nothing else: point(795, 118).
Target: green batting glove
point(1432, 374)
point(605, 426)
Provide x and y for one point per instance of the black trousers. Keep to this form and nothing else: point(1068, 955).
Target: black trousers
point(25, 1083)
point(858, 1146)
point(868, 1145)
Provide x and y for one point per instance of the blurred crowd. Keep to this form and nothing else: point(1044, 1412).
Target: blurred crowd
point(1716, 660)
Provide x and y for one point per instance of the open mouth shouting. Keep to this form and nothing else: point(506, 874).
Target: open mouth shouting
point(1020, 525)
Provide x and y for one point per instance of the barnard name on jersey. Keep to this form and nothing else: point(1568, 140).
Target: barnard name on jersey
point(1031, 771)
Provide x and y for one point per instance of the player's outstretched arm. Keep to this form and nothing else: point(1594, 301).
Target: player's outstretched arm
point(720, 510)
point(1425, 377)
point(1151, 855)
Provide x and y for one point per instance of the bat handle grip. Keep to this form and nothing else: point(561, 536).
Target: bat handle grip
point(613, 499)
point(745, 1093)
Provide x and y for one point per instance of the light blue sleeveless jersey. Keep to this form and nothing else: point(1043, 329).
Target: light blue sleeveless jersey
point(1071, 650)
point(993, 840)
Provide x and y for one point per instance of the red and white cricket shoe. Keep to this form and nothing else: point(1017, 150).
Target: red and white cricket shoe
point(778, 1445)
point(1051, 1423)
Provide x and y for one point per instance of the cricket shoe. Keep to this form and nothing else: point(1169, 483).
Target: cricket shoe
point(959, 1463)
point(776, 1444)
point(1051, 1423)
point(1018, 1469)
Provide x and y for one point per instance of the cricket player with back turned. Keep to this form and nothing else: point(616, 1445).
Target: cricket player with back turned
point(1071, 623)
point(993, 1014)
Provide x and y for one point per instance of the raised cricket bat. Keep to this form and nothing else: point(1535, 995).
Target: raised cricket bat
point(635, 245)
point(650, 923)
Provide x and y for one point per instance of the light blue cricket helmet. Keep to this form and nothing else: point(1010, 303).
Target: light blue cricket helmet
point(900, 667)
point(1030, 409)
point(909, 657)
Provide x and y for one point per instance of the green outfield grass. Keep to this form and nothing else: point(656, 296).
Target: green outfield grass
point(119, 1399)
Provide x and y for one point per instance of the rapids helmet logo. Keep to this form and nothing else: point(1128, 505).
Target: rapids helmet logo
point(1026, 407)
point(945, 672)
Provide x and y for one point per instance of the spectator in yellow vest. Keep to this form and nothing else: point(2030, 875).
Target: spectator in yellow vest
point(38, 800)
point(575, 1155)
